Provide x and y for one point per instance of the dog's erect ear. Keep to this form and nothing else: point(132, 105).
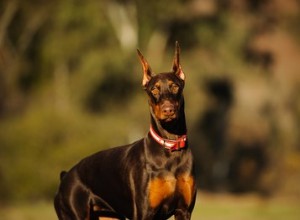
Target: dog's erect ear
point(146, 69)
point(176, 64)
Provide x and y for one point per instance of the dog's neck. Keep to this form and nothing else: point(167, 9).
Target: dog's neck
point(170, 130)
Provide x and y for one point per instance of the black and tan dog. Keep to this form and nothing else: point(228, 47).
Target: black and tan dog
point(149, 179)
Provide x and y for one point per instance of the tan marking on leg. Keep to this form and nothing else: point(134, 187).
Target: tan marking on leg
point(160, 189)
point(185, 185)
point(96, 208)
point(106, 218)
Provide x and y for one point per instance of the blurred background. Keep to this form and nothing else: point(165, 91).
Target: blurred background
point(70, 85)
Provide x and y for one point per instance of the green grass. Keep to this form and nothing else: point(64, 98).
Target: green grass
point(247, 207)
point(30, 211)
point(208, 207)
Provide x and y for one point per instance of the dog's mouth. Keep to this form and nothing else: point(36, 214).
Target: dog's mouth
point(168, 118)
point(166, 112)
point(165, 118)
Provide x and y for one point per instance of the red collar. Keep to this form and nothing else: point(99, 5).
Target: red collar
point(171, 145)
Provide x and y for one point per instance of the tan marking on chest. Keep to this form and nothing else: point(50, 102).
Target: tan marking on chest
point(161, 188)
point(185, 186)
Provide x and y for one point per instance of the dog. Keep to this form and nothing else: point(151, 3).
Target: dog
point(152, 178)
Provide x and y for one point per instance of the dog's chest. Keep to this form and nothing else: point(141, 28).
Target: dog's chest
point(164, 187)
point(169, 181)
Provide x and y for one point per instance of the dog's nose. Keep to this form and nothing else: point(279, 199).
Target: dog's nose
point(168, 108)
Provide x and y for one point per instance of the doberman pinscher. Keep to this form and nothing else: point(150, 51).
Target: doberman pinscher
point(151, 178)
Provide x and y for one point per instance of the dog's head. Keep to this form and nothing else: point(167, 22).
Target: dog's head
point(164, 89)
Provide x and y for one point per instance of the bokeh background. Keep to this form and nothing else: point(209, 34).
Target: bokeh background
point(70, 85)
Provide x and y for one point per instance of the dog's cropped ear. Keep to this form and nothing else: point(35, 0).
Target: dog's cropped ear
point(176, 64)
point(146, 69)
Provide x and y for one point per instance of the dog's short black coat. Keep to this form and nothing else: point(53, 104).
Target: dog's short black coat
point(151, 178)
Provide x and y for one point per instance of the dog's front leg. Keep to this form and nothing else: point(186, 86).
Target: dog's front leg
point(141, 207)
point(142, 210)
point(182, 214)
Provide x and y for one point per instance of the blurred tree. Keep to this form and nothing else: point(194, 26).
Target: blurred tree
point(19, 28)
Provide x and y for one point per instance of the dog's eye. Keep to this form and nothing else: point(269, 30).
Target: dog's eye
point(174, 88)
point(155, 92)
